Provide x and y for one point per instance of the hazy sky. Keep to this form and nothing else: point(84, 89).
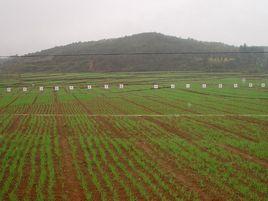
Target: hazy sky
point(32, 25)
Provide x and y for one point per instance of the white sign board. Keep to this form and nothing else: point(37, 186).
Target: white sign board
point(220, 86)
point(106, 86)
point(71, 87)
point(89, 87)
point(24, 89)
point(121, 86)
point(41, 88)
point(172, 86)
point(56, 88)
point(262, 84)
point(204, 86)
point(250, 85)
point(188, 86)
point(8, 89)
point(155, 86)
point(235, 85)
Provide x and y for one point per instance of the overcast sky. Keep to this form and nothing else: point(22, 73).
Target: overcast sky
point(33, 25)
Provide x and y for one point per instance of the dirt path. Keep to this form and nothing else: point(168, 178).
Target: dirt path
point(17, 119)
point(11, 102)
point(140, 105)
point(245, 155)
point(167, 164)
point(70, 186)
point(224, 129)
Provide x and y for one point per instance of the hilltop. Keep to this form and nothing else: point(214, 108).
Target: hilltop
point(144, 42)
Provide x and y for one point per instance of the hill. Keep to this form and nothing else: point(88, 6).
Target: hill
point(144, 42)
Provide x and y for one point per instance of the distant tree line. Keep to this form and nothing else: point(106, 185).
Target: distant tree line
point(146, 42)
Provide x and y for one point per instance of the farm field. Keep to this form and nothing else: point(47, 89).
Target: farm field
point(135, 143)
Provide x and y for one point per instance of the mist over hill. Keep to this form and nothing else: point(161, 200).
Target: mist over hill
point(144, 42)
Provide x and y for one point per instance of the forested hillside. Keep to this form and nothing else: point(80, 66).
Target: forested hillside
point(145, 42)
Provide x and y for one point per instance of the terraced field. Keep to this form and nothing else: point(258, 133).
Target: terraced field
point(135, 143)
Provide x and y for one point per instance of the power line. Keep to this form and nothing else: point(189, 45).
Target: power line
point(136, 115)
point(134, 53)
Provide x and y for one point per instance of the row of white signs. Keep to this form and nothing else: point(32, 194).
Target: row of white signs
point(57, 88)
point(121, 86)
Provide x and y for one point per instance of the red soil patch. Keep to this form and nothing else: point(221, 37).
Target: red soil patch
point(167, 164)
point(140, 105)
point(69, 183)
point(5, 107)
point(218, 127)
point(245, 155)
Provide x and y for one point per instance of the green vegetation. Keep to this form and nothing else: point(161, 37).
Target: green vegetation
point(144, 42)
point(135, 143)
